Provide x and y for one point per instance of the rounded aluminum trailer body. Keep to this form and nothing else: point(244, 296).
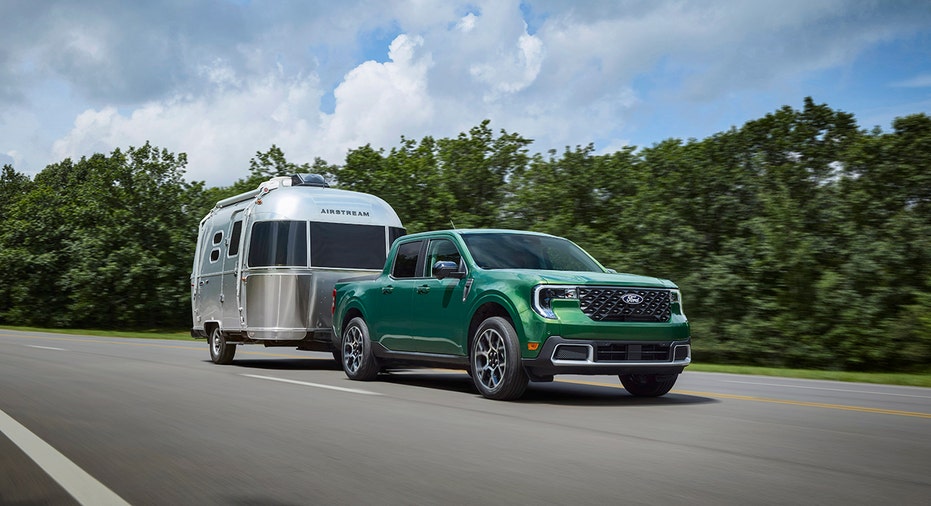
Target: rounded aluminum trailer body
point(267, 260)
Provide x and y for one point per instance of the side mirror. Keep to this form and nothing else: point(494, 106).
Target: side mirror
point(446, 269)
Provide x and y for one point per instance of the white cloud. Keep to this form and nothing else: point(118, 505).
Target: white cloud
point(254, 74)
point(467, 23)
point(220, 131)
point(511, 71)
point(378, 102)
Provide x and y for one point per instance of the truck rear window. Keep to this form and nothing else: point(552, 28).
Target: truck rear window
point(348, 246)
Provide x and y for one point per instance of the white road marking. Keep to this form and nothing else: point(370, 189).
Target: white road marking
point(828, 389)
point(83, 487)
point(45, 347)
point(315, 385)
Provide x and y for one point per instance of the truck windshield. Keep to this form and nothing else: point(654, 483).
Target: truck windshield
point(525, 251)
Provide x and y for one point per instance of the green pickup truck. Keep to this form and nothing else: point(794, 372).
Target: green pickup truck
point(510, 307)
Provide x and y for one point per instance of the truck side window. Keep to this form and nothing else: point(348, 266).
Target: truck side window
point(234, 239)
point(405, 262)
point(441, 250)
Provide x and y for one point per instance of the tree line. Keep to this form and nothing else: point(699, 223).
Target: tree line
point(798, 239)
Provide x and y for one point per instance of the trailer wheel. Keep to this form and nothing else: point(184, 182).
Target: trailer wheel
point(496, 366)
point(648, 385)
point(221, 351)
point(357, 359)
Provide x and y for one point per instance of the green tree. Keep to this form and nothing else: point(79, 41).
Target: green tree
point(104, 242)
point(439, 183)
point(476, 168)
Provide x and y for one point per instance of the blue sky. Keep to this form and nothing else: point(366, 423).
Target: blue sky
point(223, 79)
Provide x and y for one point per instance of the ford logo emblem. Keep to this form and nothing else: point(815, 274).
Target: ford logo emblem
point(632, 298)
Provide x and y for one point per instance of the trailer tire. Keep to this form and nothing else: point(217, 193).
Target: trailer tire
point(357, 359)
point(221, 350)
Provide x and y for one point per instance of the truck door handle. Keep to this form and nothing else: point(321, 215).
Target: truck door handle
point(387, 289)
point(423, 289)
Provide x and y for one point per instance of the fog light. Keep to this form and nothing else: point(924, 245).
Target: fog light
point(682, 352)
point(572, 352)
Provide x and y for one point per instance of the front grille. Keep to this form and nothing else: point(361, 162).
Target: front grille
point(607, 304)
point(619, 352)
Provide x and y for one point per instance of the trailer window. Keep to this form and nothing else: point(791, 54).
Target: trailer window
point(394, 233)
point(278, 243)
point(347, 246)
point(234, 239)
point(215, 252)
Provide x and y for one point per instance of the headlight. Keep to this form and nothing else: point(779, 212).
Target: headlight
point(675, 297)
point(544, 295)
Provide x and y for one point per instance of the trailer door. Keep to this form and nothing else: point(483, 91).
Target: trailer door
point(197, 278)
point(232, 269)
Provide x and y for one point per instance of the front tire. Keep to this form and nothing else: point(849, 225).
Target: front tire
point(648, 385)
point(358, 361)
point(221, 351)
point(496, 366)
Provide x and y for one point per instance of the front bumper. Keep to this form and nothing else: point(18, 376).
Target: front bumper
point(601, 357)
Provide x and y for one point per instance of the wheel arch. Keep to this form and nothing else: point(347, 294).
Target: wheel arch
point(351, 313)
point(210, 326)
point(488, 310)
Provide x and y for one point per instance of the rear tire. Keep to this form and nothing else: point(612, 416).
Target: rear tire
point(358, 361)
point(648, 385)
point(496, 366)
point(221, 351)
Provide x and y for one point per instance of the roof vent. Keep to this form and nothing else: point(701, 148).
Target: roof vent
point(309, 180)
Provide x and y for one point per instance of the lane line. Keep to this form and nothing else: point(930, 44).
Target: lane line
point(315, 385)
point(191, 345)
point(842, 407)
point(827, 389)
point(82, 486)
point(44, 347)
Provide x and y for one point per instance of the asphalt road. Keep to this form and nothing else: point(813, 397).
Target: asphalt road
point(97, 420)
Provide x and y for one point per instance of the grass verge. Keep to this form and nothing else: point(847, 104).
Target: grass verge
point(143, 334)
point(886, 378)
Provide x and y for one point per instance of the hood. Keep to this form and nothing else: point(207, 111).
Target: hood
point(598, 278)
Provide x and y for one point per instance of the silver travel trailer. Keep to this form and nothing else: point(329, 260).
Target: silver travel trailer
point(267, 260)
